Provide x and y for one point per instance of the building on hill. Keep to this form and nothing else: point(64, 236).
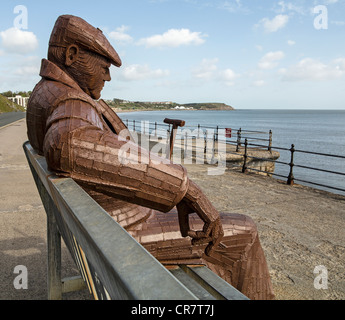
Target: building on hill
point(22, 101)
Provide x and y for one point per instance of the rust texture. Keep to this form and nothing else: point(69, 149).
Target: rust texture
point(153, 199)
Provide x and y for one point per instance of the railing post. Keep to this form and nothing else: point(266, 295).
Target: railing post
point(291, 177)
point(198, 131)
point(167, 151)
point(127, 122)
point(214, 147)
point(134, 125)
point(238, 139)
point(217, 133)
point(245, 156)
point(185, 153)
point(155, 128)
point(205, 141)
point(270, 141)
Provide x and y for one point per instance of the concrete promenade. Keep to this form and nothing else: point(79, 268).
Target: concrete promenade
point(300, 228)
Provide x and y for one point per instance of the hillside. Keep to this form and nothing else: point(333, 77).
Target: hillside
point(8, 106)
point(141, 106)
point(208, 106)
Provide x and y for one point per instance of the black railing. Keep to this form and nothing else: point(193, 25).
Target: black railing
point(147, 127)
point(291, 178)
point(246, 140)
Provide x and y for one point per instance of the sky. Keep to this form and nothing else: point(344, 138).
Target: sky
point(248, 54)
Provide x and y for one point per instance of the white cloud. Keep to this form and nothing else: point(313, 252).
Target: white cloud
point(174, 38)
point(206, 69)
point(18, 41)
point(27, 71)
point(259, 83)
point(270, 60)
point(20, 74)
point(274, 24)
point(291, 42)
point(314, 70)
point(120, 35)
point(26, 67)
point(290, 7)
point(259, 47)
point(233, 6)
point(141, 72)
point(229, 76)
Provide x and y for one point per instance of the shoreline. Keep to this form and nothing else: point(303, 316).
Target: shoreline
point(162, 110)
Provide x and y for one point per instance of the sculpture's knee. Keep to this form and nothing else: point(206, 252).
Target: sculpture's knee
point(234, 224)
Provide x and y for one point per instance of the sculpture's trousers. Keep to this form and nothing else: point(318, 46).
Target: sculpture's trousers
point(239, 259)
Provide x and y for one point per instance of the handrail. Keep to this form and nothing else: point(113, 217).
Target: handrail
point(291, 178)
point(238, 133)
point(243, 140)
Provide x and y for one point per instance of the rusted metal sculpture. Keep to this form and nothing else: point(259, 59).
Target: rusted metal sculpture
point(154, 200)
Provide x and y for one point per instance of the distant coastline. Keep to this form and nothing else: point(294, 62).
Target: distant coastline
point(124, 106)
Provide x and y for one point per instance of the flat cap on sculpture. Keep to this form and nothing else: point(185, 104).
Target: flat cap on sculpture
point(69, 30)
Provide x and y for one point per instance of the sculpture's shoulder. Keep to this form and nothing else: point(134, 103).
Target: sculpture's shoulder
point(43, 105)
point(48, 94)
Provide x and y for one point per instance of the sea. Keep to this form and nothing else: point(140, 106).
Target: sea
point(311, 131)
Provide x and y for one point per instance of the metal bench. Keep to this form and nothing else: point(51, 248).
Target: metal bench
point(112, 264)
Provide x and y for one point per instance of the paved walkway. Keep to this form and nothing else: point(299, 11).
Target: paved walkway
point(300, 228)
point(23, 239)
point(9, 117)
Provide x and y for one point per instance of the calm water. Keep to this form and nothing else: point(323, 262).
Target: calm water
point(320, 131)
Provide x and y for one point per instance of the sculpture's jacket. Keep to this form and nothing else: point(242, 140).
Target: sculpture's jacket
point(80, 139)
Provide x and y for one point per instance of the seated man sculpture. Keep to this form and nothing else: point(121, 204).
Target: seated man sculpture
point(154, 201)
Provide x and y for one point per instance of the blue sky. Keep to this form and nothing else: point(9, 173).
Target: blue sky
point(248, 54)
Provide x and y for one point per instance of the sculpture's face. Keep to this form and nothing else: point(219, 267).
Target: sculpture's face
point(94, 75)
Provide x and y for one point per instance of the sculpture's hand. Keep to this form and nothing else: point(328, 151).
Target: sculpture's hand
point(211, 233)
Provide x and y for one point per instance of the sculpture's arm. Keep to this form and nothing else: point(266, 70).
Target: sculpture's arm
point(78, 145)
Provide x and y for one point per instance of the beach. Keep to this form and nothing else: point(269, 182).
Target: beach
point(300, 228)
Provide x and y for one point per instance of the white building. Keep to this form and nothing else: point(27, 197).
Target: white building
point(22, 101)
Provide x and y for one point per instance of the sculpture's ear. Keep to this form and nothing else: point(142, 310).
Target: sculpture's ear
point(72, 54)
